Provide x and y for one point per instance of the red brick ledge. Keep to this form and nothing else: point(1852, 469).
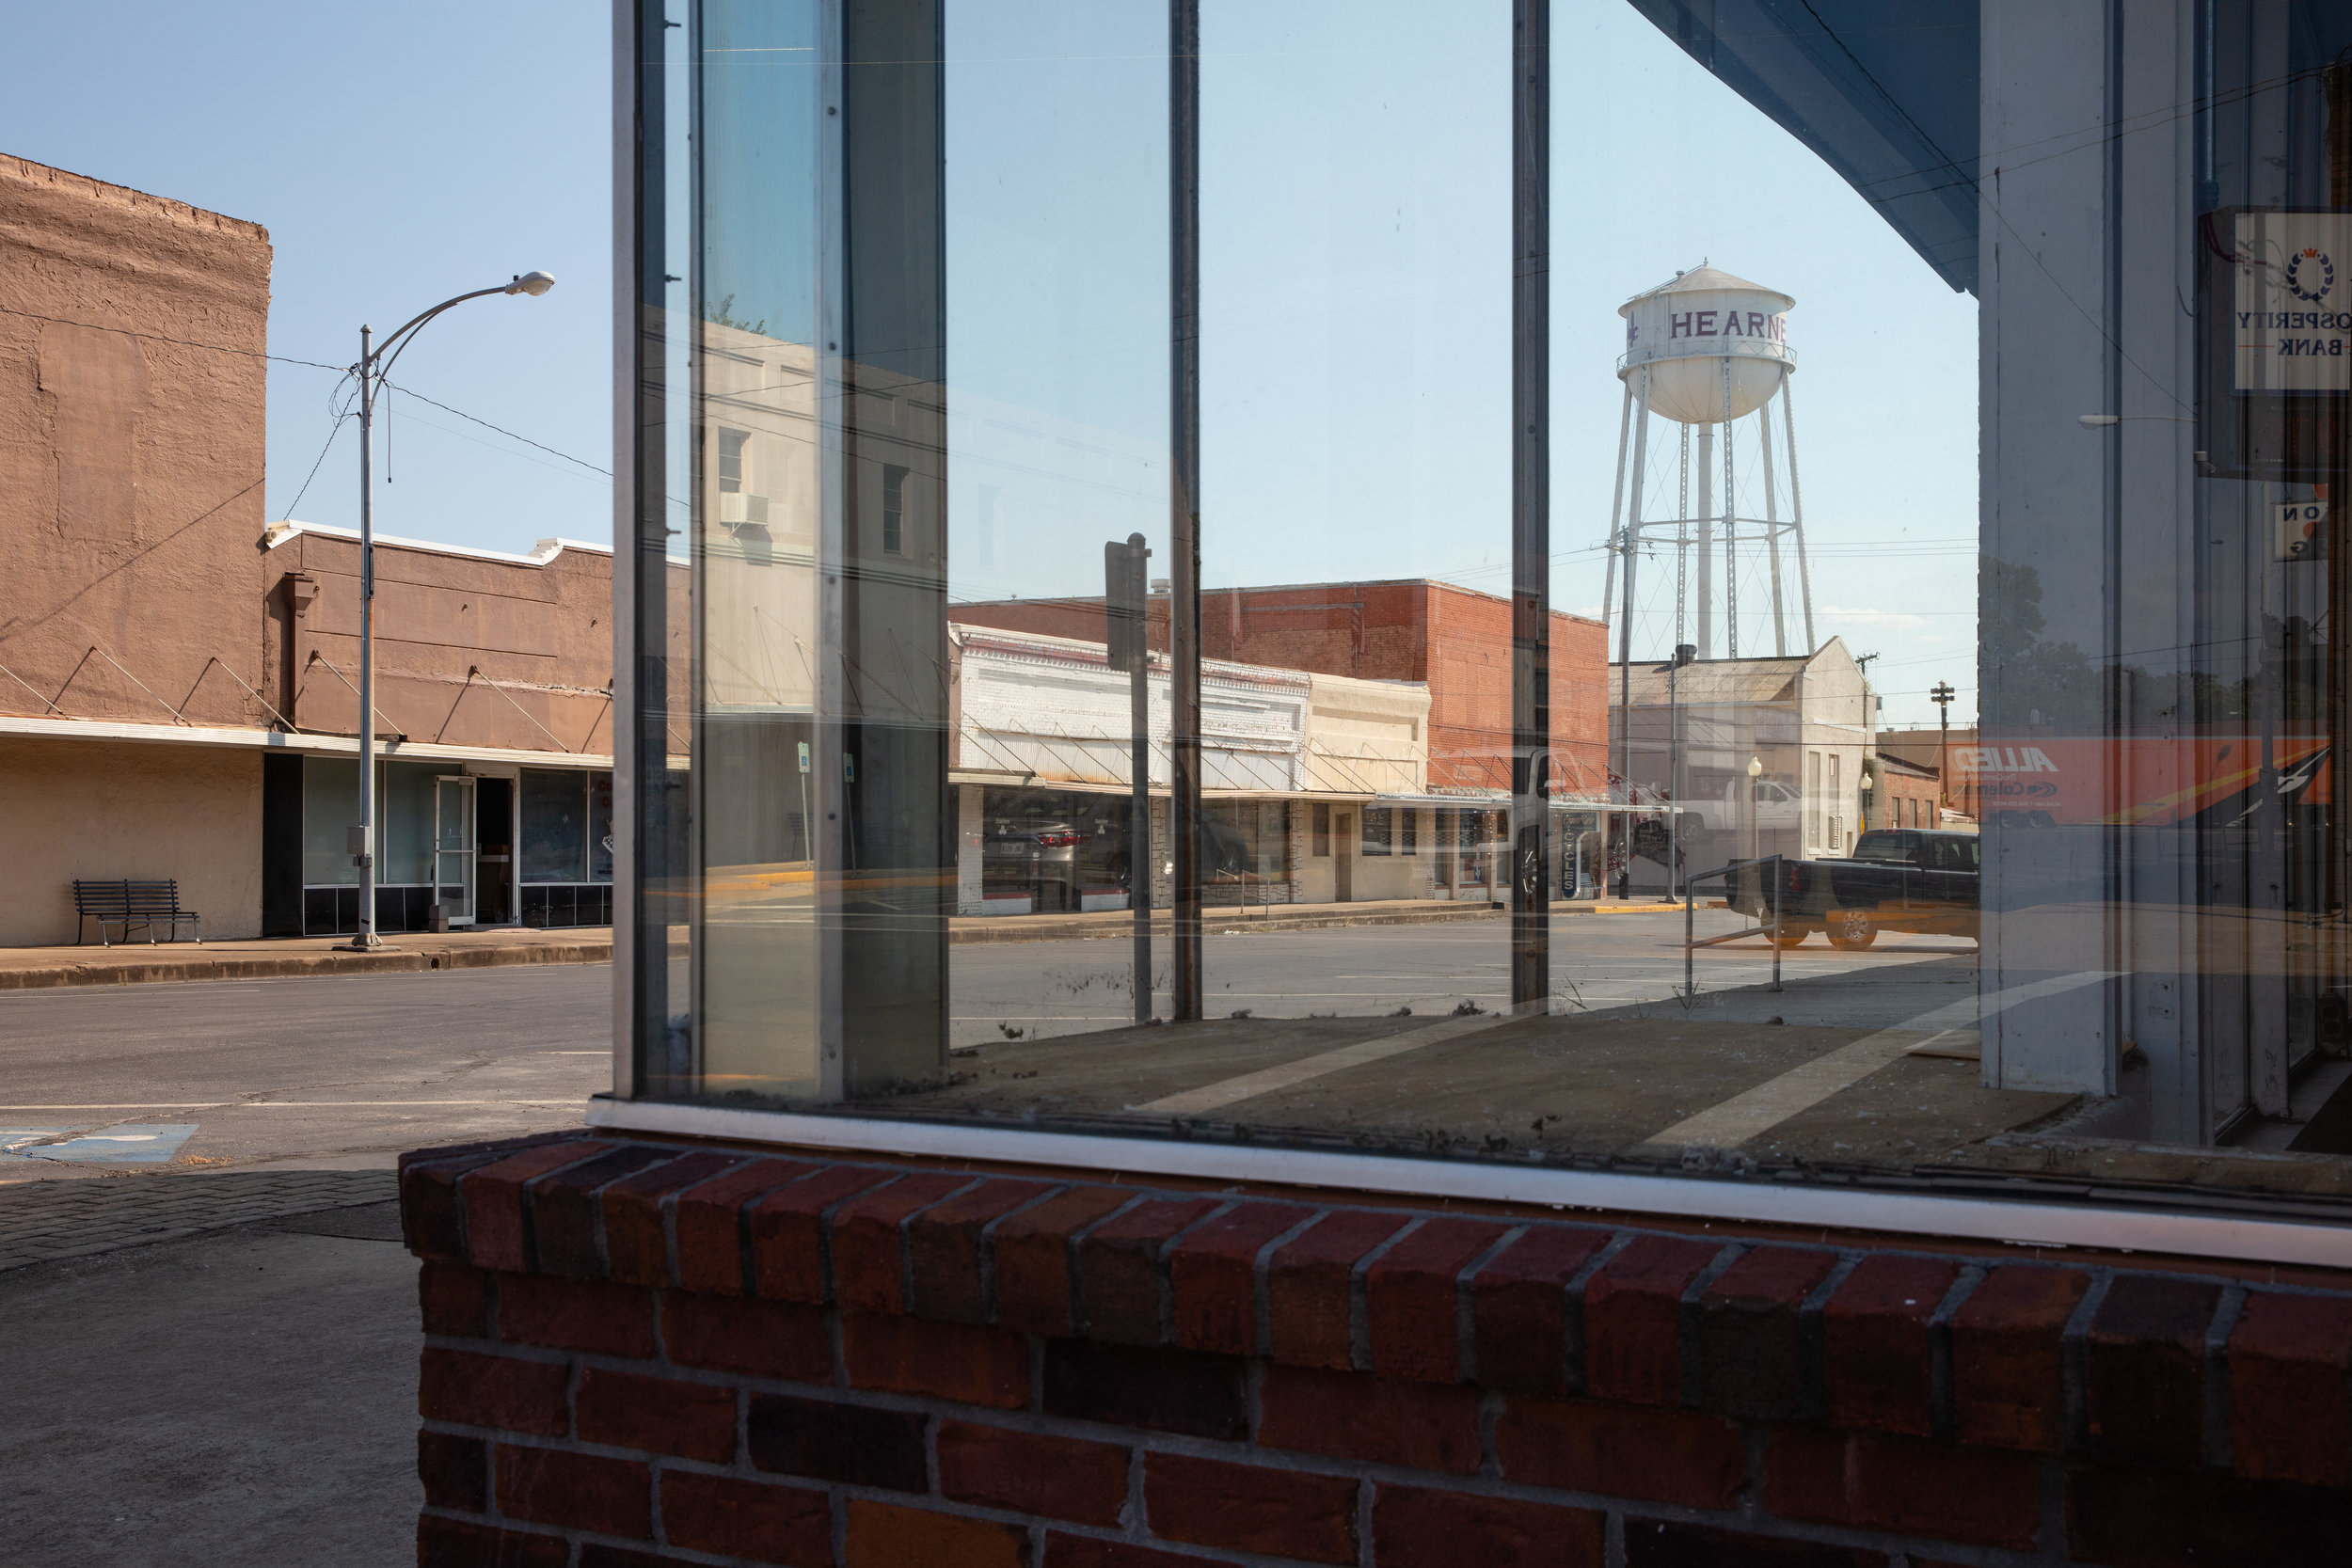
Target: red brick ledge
point(642, 1351)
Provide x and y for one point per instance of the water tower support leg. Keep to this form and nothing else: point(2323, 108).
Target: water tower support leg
point(1616, 505)
point(1796, 509)
point(1625, 621)
point(1772, 526)
point(1706, 515)
point(1682, 544)
point(1731, 546)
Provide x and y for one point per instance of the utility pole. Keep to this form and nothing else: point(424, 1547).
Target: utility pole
point(1943, 695)
point(1128, 644)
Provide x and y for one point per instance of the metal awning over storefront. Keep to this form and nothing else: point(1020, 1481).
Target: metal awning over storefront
point(281, 740)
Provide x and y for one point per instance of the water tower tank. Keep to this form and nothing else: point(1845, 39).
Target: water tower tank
point(1684, 331)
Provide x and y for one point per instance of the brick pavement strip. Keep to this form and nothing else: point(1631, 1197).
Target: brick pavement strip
point(42, 1221)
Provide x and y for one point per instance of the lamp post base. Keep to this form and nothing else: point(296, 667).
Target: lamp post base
point(365, 941)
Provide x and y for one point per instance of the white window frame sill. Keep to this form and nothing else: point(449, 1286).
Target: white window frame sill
point(2018, 1222)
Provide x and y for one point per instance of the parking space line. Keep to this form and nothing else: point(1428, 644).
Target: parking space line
point(1802, 1087)
point(1250, 1085)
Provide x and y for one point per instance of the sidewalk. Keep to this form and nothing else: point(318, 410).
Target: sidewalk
point(129, 963)
point(281, 957)
point(209, 1368)
point(46, 1218)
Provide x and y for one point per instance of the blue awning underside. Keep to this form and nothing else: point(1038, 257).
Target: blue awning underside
point(1886, 94)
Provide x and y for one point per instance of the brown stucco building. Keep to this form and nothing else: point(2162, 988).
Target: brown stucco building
point(175, 676)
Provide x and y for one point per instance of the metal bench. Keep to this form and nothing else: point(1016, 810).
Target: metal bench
point(127, 903)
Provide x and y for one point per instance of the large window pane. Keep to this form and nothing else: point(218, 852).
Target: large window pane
point(1915, 586)
point(330, 807)
point(554, 812)
point(407, 804)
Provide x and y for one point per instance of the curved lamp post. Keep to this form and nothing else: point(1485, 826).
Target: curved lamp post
point(375, 363)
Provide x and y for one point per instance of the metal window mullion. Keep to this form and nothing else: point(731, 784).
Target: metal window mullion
point(826, 834)
point(1184, 180)
point(1531, 502)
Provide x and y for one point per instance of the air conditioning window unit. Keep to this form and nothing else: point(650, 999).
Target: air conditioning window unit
point(737, 509)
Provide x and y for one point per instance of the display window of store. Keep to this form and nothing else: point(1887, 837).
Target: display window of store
point(2128, 998)
point(566, 846)
point(1054, 851)
point(448, 838)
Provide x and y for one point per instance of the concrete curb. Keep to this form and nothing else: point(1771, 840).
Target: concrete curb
point(396, 960)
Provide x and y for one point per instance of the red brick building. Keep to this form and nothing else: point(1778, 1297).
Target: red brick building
point(1904, 794)
point(1455, 640)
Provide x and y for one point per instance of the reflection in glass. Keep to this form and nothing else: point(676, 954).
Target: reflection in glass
point(1994, 710)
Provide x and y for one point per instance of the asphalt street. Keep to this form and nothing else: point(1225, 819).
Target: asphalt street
point(346, 1072)
point(336, 1072)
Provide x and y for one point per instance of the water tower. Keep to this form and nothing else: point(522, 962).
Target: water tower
point(1705, 351)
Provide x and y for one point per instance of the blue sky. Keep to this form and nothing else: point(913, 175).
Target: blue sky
point(1355, 344)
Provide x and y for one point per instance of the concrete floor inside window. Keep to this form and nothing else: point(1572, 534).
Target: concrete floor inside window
point(1363, 1038)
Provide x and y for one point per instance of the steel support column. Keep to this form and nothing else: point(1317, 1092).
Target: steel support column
point(1183, 526)
point(1530, 503)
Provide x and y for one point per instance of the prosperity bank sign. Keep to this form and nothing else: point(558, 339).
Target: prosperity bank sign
point(2292, 308)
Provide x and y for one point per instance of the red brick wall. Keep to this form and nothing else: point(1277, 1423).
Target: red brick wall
point(641, 1354)
point(1894, 786)
point(1457, 641)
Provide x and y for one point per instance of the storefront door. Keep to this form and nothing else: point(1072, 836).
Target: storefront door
point(494, 881)
point(1343, 857)
point(453, 847)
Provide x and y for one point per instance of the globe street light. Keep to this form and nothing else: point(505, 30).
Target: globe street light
point(1756, 838)
point(375, 363)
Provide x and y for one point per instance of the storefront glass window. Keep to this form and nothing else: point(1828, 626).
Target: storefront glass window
point(599, 827)
point(407, 833)
point(555, 824)
point(330, 804)
point(1086, 481)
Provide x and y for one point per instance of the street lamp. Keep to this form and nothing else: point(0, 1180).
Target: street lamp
point(375, 363)
point(1756, 838)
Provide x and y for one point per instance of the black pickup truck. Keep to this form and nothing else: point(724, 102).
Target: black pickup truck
point(1896, 879)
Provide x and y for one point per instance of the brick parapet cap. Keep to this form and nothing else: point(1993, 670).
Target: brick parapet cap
point(1996, 1353)
point(28, 172)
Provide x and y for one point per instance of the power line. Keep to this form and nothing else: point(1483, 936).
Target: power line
point(297, 502)
point(502, 430)
point(184, 343)
point(307, 364)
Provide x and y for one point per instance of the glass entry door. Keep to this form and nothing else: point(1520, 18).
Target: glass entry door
point(453, 847)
